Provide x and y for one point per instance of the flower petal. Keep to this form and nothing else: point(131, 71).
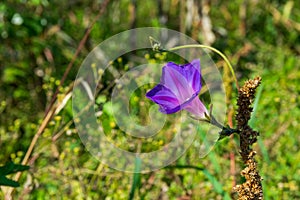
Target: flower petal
point(173, 79)
point(191, 73)
point(164, 97)
point(196, 107)
point(179, 88)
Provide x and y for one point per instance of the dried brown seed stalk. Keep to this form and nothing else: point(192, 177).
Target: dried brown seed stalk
point(252, 188)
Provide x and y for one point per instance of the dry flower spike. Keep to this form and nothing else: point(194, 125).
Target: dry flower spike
point(252, 188)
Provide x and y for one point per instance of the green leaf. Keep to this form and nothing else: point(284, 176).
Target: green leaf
point(101, 99)
point(136, 178)
point(10, 168)
point(11, 75)
point(7, 182)
point(107, 108)
point(253, 122)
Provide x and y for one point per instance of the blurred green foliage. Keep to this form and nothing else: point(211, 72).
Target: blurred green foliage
point(38, 40)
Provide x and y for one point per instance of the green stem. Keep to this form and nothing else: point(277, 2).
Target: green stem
point(214, 50)
point(226, 131)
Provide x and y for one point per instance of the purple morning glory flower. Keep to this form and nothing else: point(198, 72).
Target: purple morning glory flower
point(178, 89)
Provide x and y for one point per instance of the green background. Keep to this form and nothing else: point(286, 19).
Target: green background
point(38, 39)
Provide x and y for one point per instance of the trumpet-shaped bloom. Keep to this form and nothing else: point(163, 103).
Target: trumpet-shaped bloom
point(178, 89)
